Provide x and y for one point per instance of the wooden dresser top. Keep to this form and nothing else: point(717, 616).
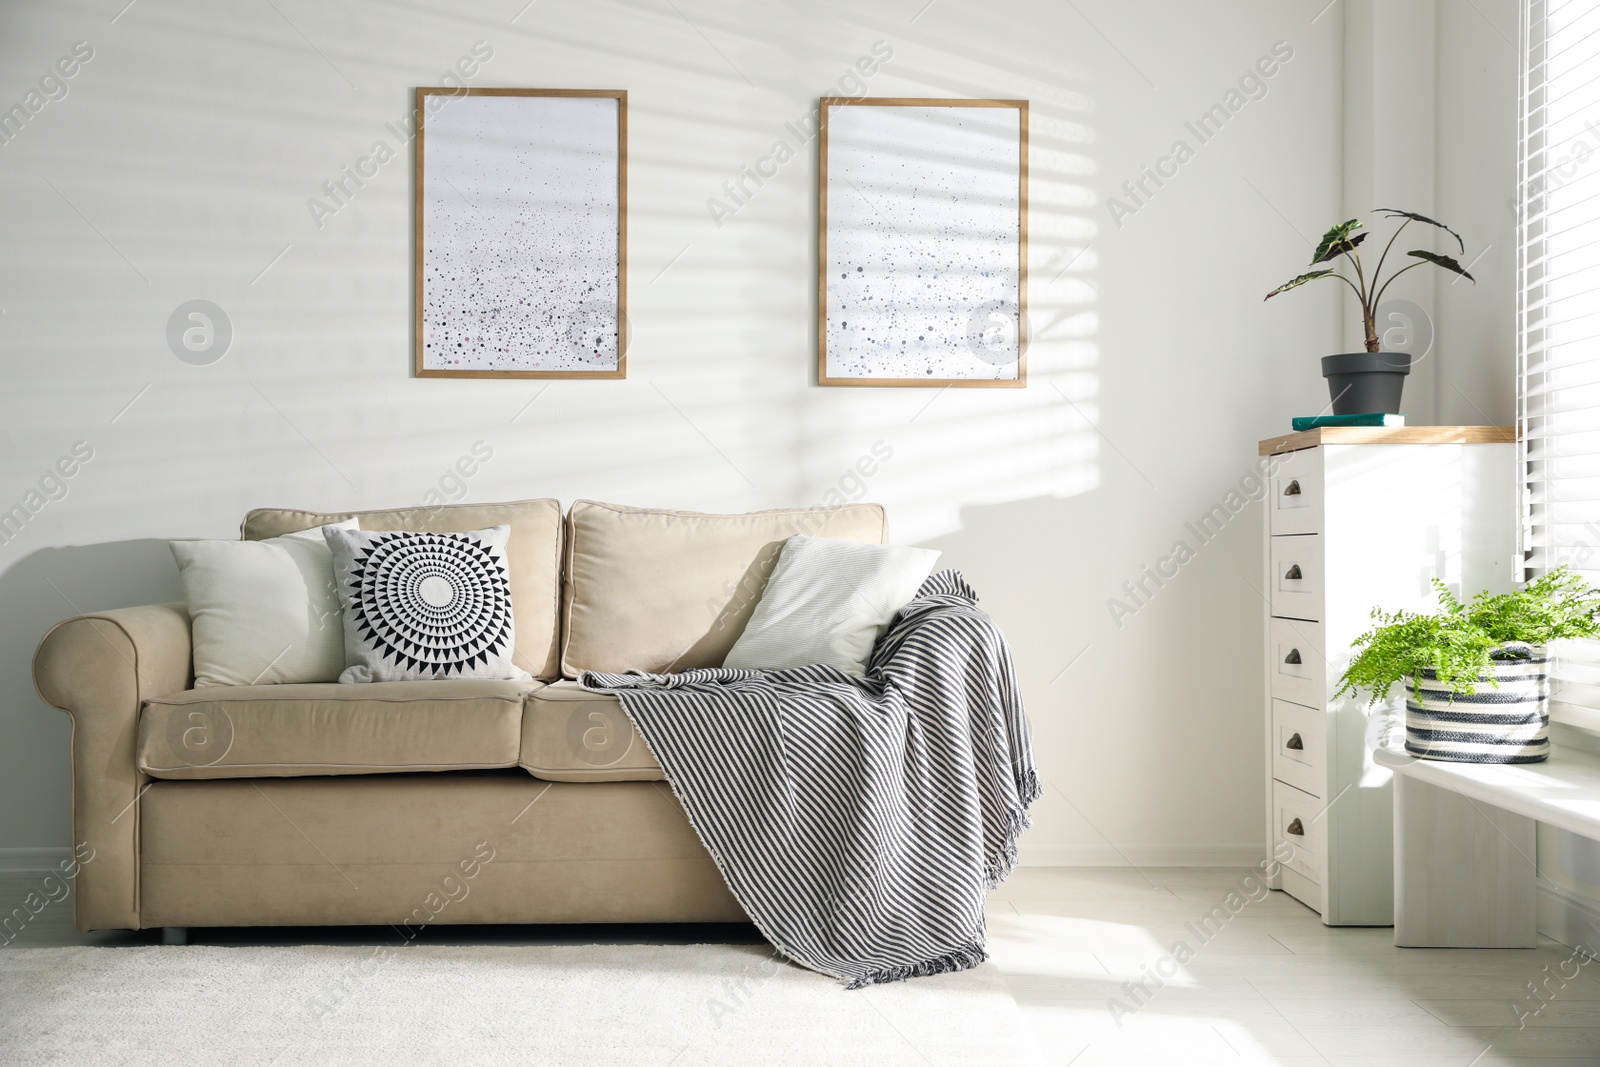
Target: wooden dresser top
point(1382, 435)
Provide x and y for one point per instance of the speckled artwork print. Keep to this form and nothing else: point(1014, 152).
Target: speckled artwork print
point(923, 270)
point(520, 234)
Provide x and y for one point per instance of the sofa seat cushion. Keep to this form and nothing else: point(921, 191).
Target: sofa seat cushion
point(572, 735)
point(260, 731)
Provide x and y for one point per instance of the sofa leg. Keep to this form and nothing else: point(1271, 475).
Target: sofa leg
point(174, 935)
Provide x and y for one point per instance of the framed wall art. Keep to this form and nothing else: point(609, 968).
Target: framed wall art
point(922, 242)
point(521, 233)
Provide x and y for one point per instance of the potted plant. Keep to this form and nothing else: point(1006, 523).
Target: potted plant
point(1370, 381)
point(1500, 640)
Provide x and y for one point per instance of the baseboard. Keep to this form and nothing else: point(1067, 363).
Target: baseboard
point(1568, 917)
point(49, 859)
point(1046, 855)
point(22, 860)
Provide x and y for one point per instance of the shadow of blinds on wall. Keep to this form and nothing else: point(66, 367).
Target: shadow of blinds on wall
point(1558, 316)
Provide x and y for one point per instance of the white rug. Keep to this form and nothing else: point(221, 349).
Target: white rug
point(612, 1005)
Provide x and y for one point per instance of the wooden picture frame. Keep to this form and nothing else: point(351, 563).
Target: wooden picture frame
point(964, 179)
point(496, 339)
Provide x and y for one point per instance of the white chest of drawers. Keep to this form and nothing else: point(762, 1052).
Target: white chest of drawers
point(1358, 518)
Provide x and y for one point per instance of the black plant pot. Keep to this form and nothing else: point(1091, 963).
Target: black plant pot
point(1363, 382)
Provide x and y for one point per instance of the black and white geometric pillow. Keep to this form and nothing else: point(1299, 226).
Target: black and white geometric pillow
point(424, 605)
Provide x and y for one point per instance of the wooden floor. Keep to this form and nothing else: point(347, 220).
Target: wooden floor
point(1270, 985)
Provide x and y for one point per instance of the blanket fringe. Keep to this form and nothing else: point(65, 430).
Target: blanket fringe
point(962, 959)
point(1029, 789)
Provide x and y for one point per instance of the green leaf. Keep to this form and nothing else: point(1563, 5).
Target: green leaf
point(1295, 283)
point(1339, 248)
point(1396, 213)
point(1444, 261)
point(1460, 642)
point(1339, 234)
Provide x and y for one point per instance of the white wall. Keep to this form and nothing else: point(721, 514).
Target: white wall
point(1476, 174)
point(180, 163)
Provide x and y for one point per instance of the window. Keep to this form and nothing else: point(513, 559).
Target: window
point(1558, 315)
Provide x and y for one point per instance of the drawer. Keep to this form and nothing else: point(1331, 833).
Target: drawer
point(1298, 752)
point(1296, 576)
point(1295, 493)
point(1296, 669)
point(1297, 820)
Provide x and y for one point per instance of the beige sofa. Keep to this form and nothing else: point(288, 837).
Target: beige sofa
point(459, 801)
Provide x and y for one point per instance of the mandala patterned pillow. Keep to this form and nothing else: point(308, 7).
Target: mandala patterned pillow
point(424, 605)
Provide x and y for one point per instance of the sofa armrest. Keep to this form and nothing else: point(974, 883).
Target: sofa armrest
point(100, 669)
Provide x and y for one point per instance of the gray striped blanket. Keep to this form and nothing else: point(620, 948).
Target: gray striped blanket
point(860, 822)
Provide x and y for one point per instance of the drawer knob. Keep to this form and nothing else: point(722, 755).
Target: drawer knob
point(1293, 656)
point(1296, 829)
point(1293, 573)
point(1294, 743)
point(1293, 488)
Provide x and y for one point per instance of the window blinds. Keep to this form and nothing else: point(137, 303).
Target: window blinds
point(1558, 315)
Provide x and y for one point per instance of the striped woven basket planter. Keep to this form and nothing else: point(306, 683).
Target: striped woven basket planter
point(1508, 724)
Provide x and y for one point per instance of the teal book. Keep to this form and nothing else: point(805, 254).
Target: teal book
point(1376, 418)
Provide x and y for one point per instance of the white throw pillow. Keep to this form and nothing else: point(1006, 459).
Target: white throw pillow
point(263, 612)
point(424, 605)
point(828, 602)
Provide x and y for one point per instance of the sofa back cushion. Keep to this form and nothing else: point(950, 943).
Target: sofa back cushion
point(655, 590)
point(533, 552)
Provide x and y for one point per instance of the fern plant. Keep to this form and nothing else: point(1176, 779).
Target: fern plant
point(1461, 643)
